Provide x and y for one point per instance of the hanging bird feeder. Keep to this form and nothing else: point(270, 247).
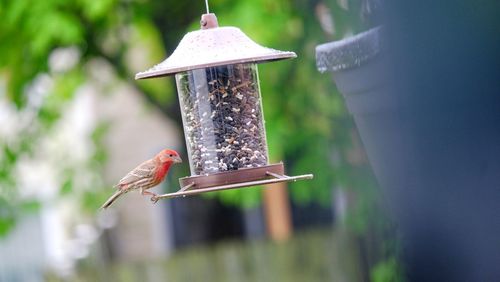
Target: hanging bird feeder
point(218, 85)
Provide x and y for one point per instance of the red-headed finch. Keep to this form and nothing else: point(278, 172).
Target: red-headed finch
point(147, 175)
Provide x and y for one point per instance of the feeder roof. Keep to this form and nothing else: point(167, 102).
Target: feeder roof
point(213, 46)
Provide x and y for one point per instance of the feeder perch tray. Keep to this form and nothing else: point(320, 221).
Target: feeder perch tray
point(269, 174)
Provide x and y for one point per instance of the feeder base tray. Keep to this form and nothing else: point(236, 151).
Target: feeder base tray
point(246, 177)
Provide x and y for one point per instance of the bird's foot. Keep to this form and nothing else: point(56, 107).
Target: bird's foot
point(154, 199)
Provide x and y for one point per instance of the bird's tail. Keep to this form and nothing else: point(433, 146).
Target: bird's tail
point(112, 199)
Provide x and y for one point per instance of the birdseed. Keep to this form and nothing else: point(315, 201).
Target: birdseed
point(223, 120)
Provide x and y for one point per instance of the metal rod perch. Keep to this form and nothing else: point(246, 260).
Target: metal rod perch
point(187, 191)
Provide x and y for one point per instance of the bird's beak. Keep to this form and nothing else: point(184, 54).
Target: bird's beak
point(177, 159)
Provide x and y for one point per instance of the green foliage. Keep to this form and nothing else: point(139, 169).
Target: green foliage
point(30, 32)
point(66, 187)
point(7, 217)
point(32, 206)
point(387, 271)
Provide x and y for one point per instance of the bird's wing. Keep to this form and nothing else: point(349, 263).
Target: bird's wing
point(144, 170)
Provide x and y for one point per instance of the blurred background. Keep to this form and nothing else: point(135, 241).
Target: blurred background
point(73, 121)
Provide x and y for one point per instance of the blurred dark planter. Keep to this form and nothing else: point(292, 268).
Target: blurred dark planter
point(432, 140)
point(358, 69)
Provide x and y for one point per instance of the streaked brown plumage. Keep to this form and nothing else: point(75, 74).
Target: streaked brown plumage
point(147, 175)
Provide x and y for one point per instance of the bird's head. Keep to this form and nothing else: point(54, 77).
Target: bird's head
point(169, 156)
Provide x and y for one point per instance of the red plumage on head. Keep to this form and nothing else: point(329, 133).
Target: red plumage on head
point(167, 152)
point(168, 156)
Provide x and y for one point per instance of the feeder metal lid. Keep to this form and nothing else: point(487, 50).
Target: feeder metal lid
point(213, 46)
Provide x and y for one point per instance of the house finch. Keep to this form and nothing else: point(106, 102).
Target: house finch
point(147, 175)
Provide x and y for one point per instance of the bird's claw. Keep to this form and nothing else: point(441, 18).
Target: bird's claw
point(154, 199)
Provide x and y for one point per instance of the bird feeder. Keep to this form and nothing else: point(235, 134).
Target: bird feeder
point(218, 86)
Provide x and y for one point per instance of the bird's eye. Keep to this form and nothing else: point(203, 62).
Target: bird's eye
point(170, 155)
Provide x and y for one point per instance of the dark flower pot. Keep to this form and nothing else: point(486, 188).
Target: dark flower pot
point(433, 141)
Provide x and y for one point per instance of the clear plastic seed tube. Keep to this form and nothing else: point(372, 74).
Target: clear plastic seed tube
point(222, 117)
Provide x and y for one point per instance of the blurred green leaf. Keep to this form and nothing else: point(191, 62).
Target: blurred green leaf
point(387, 271)
point(94, 10)
point(31, 206)
point(98, 135)
point(7, 217)
point(66, 187)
